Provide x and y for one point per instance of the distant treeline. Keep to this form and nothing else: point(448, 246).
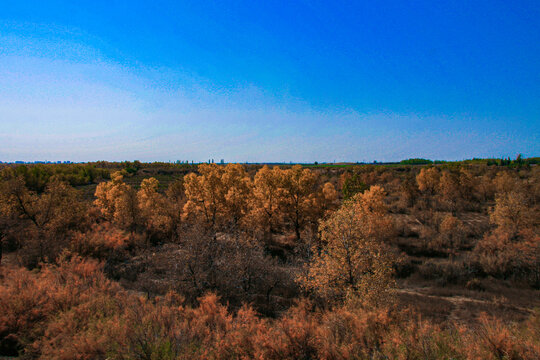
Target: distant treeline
point(518, 161)
point(37, 176)
point(134, 166)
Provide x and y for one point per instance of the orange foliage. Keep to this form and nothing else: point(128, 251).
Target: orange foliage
point(218, 196)
point(45, 219)
point(514, 211)
point(451, 233)
point(117, 201)
point(153, 208)
point(68, 309)
point(353, 262)
point(71, 311)
point(100, 241)
point(265, 215)
point(501, 255)
point(428, 180)
point(226, 198)
point(449, 190)
point(30, 302)
point(298, 192)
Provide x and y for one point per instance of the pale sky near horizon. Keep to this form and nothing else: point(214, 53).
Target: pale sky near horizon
point(268, 81)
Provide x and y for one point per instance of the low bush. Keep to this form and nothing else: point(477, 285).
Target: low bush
point(71, 311)
point(446, 272)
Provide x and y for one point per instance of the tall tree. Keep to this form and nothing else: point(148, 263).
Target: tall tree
point(448, 189)
point(219, 195)
point(428, 180)
point(118, 202)
point(298, 190)
point(153, 208)
point(238, 191)
point(265, 213)
point(205, 194)
point(354, 262)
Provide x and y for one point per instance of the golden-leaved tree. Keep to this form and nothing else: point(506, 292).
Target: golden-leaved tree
point(513, 212)
point(238, 191)
point(265, 213)
point(449, 191)
point(512, 248)
point(226, 198)
point(218, 196)
point(354, 263)
point(328, 198)
point(288, 200)
point(118, 201)
point(451, 234)
point(428, 180)
point(504, 183)
point(467, 184)
point(298, 195)
point(153, 208)
point(204, 194)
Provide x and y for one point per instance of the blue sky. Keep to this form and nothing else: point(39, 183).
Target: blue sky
point(268, 80)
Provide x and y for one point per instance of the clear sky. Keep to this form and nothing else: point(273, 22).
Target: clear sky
point(268, 80)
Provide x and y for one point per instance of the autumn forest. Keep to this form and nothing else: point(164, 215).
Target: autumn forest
point(175, 261)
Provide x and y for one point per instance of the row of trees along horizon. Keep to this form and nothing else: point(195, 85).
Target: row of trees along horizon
point(37, 175)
